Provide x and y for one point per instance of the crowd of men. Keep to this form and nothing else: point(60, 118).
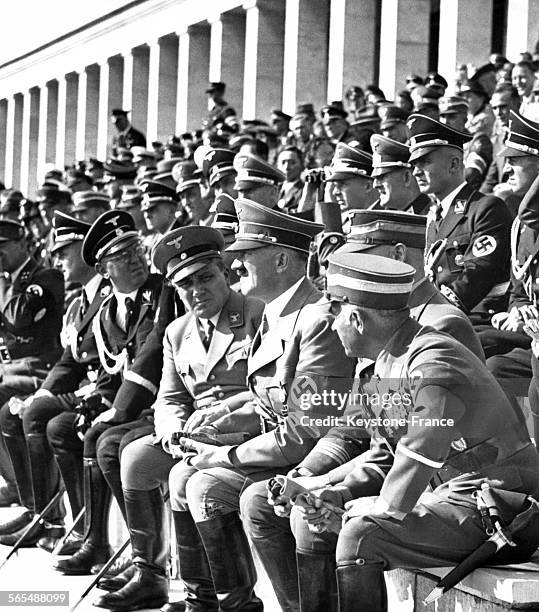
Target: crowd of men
point(308, 337)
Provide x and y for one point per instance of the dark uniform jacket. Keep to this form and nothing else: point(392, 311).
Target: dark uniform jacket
point(475, 261)
point(132, 138)
point(485, 439)
point(428, 307)
point(118, 349)
point(194, 377)
point(300, 356)
point(80, 353)
point(289, 198)
point(31, 311)
point(421, 205)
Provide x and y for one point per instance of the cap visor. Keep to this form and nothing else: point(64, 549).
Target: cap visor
point(421, 152)
point(343, 176)
point(246, 245)
point(510, 152)
point(353, 246)
point(384, 170)
point(121, 242)
point(183, 273)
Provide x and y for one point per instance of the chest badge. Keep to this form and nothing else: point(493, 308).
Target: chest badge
point(460, 206)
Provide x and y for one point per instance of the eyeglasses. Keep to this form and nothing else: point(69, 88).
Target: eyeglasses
point(135, 252)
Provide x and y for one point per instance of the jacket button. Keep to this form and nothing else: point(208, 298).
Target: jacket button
point(440, 269)
point(84, 355)
point(220, 394)
point(455, 243)
point(212, 377)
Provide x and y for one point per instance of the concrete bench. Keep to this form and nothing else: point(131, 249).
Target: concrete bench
point(485, 590)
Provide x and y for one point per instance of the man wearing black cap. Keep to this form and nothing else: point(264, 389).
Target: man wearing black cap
point(295, 352)
point(257, 180)
point(393, 178)
point(218, 108)
point(399, 236)
point(205, 367)
point(31, 307)
point(121, 327)
point(127, 135)
point(480, 117)
point(9, 204)
point(159, 207)
point(393, 122)
point(350, 175)
point(88, 205)
point(189, 189)
point(280, 122)
point(218, 169)
point(468, 233)
point(335, 123)
point(50, 198)
point(28, 447)
point(390, 521)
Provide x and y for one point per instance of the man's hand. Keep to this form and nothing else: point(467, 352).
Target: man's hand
point(205, 417)
point(281, 505)
point(528, 312)
point(532, 329)
point(204, 456)
point(105, 417)
point(507, 321)
point(359, 507)
point(316, 514)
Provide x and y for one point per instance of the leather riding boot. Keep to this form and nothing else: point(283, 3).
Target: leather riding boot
point(231, 563)
point(361, 588)
point(9, 496)
point(111, 582)
point(278, 556)
point(18, 456)
point(45, 484)
point(194, 568)
point(95, 548)
point(146, 521)
point(316, 578)
point(42, 529)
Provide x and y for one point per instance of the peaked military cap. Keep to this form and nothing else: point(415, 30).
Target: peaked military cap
point(451, 105)
point(119, 169)
point(333, 111)
point(277, 113)
point(369, 280)
point(225, 219)
point(67, 230)
point(10, 200)
point(216, 86)
point(523, 137)
point(367, 117)
point(218, 163)
point(436, 81)
point(391, 115)
point(186, 250)
point(369, 228)
point(427, 134)
point(388, 154)
point(155, 193)
point(328, 243)
point(252, 171)
point(261, 226)
point(131, 197)
point(142, 156)
point(166, 178)
point(166, 165)
point(118, 112)
point(110, 232)
point(349, 161)
point(305, 109)
point(49, 195)
point(474, 87)
point(186, 174)
point(10, 230)
point(85, 200)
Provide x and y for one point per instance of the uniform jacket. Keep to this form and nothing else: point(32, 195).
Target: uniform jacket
point(429, 308)
point(31, 310)
point(80, 354)
point(421, 205)
point(195, 378)
point(132, 138)
point(432, 369)
point(301, 356)
point(118, 350)
point(477, 159)
point(289, 199)
point(476, 259)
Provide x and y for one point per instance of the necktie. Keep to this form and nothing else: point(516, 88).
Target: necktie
point(83, 308)
point(129, 307)
point(438, 215)
point(208, 335)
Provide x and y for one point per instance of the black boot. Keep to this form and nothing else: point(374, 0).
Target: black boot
point(361, 588)
point(18, 456)
point(45, 484)
point(95, 548)
point(316, 578)
point(40, 530)
point(9, 496)
point(194, 568)
point(110, 582)
point(278, 556)
point(231, 563)
point(70, 466)
point(146, 522)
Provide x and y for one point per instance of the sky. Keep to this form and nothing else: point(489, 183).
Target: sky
point(27, 24)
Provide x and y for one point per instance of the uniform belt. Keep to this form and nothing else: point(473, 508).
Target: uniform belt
point(484, 457)
point(205, 402)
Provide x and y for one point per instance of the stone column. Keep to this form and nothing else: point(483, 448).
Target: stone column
point(72, 88)
point(127, 86)
point(522, 27)
point(92, 110)
point(30, 127)
point(80, 140)
point(103, 118)
point(61, 124)
point(18, 100)
point(264, 48)
point(3, 137)
point(162, 88)
point(352, 45)
point(139, 92)
point(465, 34)
point(305, 53)
point(404, 42)
point(52, 121)
point(193, 76)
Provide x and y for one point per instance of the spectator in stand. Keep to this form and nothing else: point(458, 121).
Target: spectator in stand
point(355, 99)
point(290, 163)
point(480, 117)
point(523, 78)
point(127, 136)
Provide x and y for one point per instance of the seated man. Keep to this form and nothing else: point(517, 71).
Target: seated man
point(204, 371)
point(456, 431)
point(31, 307)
